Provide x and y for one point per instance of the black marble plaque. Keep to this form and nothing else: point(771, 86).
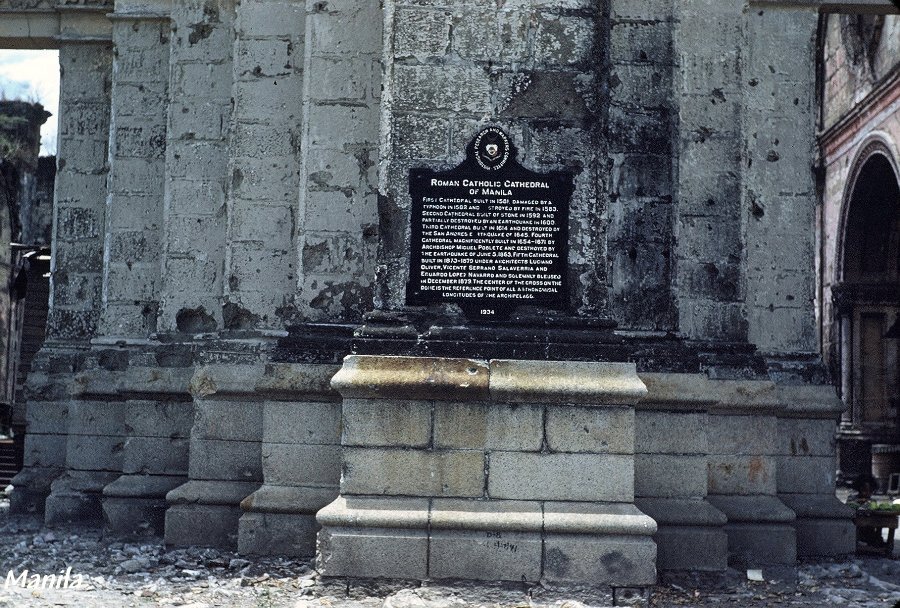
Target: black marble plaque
point(489, 234)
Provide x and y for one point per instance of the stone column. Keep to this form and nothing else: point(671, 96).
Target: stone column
point(134, 206)
point(532, 69)
point(500, 470)
point(641, 119)
point(75, 284)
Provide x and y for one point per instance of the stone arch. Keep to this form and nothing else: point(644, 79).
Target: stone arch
point(866, 305)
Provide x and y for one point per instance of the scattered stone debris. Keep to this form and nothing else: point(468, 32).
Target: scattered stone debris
point(117, 573)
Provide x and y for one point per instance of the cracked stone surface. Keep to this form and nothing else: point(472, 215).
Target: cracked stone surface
point(144, 572)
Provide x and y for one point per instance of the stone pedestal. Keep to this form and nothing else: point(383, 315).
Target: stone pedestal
point(301, 461)
point(225, 457)
point(807, 470)
point(158, 414)
point(670, 485)
point(501, 470)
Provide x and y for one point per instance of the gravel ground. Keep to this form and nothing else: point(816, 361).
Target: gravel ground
point(119, 574)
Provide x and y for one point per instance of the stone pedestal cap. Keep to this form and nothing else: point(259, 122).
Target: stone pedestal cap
point(585, 383)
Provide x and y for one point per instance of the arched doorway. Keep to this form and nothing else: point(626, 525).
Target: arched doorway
point(867, 305)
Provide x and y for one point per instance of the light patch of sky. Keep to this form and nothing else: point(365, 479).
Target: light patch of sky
point(33, 76)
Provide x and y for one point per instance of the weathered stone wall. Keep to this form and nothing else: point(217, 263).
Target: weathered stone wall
point(852, 86)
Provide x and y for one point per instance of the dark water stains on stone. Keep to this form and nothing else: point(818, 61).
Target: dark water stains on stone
point(194, 320)
point(236, 317)
point(113, 360)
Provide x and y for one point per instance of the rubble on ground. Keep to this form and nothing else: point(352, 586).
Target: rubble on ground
point(121, 573)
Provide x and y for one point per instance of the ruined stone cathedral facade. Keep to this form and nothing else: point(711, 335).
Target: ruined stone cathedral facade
point(230, 358)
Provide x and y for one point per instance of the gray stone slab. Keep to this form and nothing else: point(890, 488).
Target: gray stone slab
point(601, 560)
point(825, 538)
point(296, 464)
point(372, 553)
point(805, 437)
point(697, 548)
point(806, 474)
point(386, 422)
point(156, 455)
point(743, 474)
point(310, 422)
point(202, 526)
point(607, 430)
point(412, 472)
point(488, 426)
point(95, 453)
point(227, 420)
point(95, 418)
point(45, 450)
point(47, 417)
point(485, 556)
point(669, 475)
point(670, 432)
point(277, 534)
point(227, 460)
point(742, 434)
point(753, 545)
point(578, 477)
point(134, 516)
point(144, 418)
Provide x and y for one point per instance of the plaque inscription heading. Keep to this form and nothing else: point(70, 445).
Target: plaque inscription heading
point(489, 234)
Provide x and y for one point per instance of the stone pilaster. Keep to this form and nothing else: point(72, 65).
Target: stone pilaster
point(263, 164)
point(500, 470)
point(779, 198)
point(532, 69)
point(77, 270)
point(337, 228)
point(134, 205)
point(196, 166)
point(708, 84)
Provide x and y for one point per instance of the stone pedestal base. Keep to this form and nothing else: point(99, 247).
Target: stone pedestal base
point(205, 513)
point(760, 530)
point(824, 525)
point(690, 534)
point(281, 520)
point(405, 538)
point(31, 487)
point(77, 497)
point(136, 504)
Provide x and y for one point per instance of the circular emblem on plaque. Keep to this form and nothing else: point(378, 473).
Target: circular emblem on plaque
point(491, 149)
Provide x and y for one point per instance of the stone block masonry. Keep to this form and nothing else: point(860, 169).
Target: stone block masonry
point(554, 500)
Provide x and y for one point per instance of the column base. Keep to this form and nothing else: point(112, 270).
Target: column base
point(824, 525)
point(77, 498)
point(206, 513)
point(690, 534)
point(760, 530)
point(136, 504)
point(281, 520)
point(498, 540)
point(31, 487)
